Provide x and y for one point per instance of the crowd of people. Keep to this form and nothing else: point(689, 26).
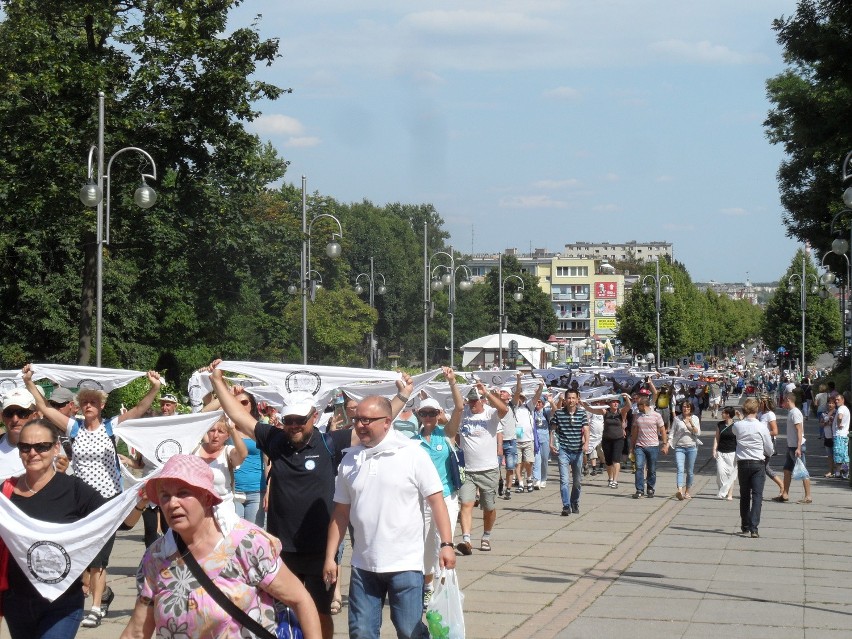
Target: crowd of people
point(260, 510)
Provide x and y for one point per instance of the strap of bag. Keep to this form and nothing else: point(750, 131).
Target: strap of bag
point(218, 596)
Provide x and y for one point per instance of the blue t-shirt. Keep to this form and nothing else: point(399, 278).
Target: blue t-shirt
point(248, 478)
point(439, 452)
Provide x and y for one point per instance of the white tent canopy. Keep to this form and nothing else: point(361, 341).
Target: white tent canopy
point(531, 349)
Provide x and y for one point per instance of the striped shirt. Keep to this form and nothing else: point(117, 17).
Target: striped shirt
point(569, 428)
point(647, 426)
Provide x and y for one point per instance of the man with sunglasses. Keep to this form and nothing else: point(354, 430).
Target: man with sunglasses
point(19, 407)
point(387, 473)
point(304, 463)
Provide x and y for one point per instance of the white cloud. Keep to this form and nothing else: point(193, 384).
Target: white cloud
point(303, 142)
point(703, 52)
point(735, 212)
point(277, 124)
point(532, 202)
point(563, 93)
point(557, 184)
point(664, 178)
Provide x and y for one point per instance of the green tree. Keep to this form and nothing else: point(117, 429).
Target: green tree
point(812, 105)
point(782, 324)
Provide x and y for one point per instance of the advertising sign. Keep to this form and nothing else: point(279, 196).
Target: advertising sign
point(606, 290)
point(605, 324)
point(605, 308)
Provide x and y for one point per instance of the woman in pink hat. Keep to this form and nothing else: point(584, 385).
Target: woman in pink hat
point(244, 563)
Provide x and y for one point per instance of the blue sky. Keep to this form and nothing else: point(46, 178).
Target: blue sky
point(537, 123)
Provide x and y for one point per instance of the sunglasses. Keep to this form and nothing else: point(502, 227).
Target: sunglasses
point(366, 421)
point(294, 421)
point(20, 413)
point(57, 404)
point(427, 413)
point(40, 447)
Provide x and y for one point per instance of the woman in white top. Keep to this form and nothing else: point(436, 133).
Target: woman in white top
point(684, 439)
point(223, 460)
point(766, 414)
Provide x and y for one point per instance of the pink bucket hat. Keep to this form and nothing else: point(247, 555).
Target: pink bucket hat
point(187, 469)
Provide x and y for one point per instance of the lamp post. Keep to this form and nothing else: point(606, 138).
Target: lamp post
point(332, 249)
point(669, 288)
point(91, 194)
point(517, 295)
point(803, 298)
point(381, 290)
point(438, 277)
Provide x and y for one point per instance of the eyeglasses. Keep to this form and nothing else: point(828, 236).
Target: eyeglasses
point(366, 421)
point(40, 447)
point(294, 421)
point(427, 413)
point(20, 413)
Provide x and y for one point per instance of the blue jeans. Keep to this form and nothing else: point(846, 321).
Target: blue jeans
point(367, 593)
point(574, 459)
point(649, 455)
point(251, 509)
point(542, 457)
point(685, 458)
point(37, 618)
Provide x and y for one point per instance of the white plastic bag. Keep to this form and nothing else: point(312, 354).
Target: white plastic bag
point(444, 616)
point(799, 470)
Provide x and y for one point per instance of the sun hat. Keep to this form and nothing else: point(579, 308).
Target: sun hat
point(20, 397)
point(169, 398)
point(61, 395)
point(187, 469)
point(429, 403)
point(300, 404)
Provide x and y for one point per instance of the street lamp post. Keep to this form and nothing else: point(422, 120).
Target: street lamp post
point(517, 295)
point(828, 278)
point(438, 277)
point(669, 288)
point(803, 299)
point(381, 290)
point(332, 249)
point(91, 194)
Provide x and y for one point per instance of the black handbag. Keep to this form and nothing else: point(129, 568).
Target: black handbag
point(218, 596)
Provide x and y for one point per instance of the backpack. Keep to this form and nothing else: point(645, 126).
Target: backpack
point(72, 435)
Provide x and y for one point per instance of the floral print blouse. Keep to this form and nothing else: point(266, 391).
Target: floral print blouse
point(243, 561)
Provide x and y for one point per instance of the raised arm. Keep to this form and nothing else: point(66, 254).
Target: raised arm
point(405, 387)
point(51, 414)
point(145, 403)
point(244, 421)
point(452, 427)
point(493, 399)
point(518, 389)
point(240, 452)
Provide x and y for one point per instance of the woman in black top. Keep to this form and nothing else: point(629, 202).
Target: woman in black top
point(724, 452)
point(614, 432)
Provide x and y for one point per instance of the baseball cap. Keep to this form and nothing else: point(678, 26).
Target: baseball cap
point(187, 469)
point(473, 394)
point(20, 397)
point(300, 404)
point(429, 403)
point(61, 395)
point(644, 391)
point(169, 398)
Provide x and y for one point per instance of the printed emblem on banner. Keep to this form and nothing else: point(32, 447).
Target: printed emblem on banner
point(166, 449)
point(497, 380)
point(7, 384)
point(304, 381)
point(90, 384)
point(48, 562)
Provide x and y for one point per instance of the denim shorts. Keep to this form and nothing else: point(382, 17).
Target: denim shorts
point(510, 453)
point(790, 461)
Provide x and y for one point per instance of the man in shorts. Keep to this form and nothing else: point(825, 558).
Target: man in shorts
point(479, 442)
point(795, 449)
point(525, 434)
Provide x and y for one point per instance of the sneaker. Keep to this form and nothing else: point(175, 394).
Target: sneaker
point(754, 534)
point(537, 485)
point(638, 495)
point(566, 511)
point(543, 484)
point(651, 493)
point(427, 597)
point(614, 484)
point(91, 620)
point(507, 495)
point(575, 509)
point(594, 471)
point(106, 601)
point(610, 483)
point(464, 548)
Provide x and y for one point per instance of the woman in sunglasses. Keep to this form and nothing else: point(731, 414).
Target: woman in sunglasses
point(47, 495)
point(437, 441)
point(223, 459)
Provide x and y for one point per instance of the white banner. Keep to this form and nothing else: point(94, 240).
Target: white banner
point(105, 379)
point(158, 438)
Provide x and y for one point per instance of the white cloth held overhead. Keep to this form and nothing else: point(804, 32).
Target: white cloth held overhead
point(388, 389)
point(158, 438)
point(105, 379)
point(51, 555)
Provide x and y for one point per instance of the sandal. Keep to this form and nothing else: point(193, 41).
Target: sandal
point(337, 606)
point(91, 620)
point(805, 501)
point(485, 545)
point(780, 499)
point(829, 475)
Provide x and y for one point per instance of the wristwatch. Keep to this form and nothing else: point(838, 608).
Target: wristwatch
point(446, 544)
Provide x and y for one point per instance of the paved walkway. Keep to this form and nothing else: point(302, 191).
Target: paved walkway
point(640, 568)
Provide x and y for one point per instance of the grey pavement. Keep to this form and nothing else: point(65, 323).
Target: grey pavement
point(642, 568)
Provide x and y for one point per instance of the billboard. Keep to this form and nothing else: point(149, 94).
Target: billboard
point(605, 308)
point(606, 290)
point(603, 324)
